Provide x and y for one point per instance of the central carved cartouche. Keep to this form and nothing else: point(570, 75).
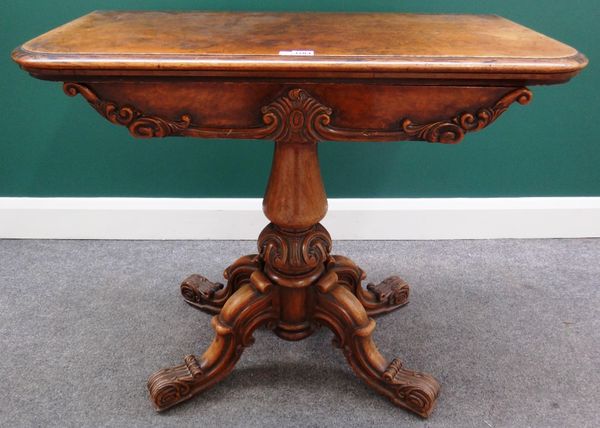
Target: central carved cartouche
point(296, 115)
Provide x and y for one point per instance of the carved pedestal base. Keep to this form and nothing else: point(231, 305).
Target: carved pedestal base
point(294, 286)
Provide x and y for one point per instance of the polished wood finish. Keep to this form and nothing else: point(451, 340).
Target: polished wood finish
point(372, 45)
point(437, 114)
point(373, 77)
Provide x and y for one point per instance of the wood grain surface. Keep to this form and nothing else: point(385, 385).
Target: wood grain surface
point(369, 44)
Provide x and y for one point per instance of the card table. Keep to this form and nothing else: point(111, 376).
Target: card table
point(297, 79)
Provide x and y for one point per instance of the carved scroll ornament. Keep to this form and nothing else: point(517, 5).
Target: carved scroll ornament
point(138, 123)
point(298, 117)
point(449, 131)
point(294, 258)
point(453, 130)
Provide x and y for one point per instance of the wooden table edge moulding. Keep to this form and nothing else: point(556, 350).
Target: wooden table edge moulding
point(297, 79)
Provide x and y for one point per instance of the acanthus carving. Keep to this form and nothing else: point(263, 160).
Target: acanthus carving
point(209, 296)
point(292, 254)
point(298, 117)
point(203, 294)
point(416, 391)
point(377, 299)
point(193, 366)
point(198, 289)
point(289, 118)
point(453, 131)
point(139, 124)
point(392, 291)
point(143, 125)
point(168, 387)
point(449, 131)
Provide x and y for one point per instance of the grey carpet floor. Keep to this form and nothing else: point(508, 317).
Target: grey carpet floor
point(511, 328)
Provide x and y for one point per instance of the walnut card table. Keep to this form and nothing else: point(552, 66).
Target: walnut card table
point(297, 79)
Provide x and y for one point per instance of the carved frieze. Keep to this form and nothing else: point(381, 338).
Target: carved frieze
point(298, 117)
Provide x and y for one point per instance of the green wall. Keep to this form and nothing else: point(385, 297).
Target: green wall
point(52, 145)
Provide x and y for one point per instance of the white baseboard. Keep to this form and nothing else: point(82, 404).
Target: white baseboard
point(444, 218)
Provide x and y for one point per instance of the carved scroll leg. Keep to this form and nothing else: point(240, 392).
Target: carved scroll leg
point(377, 299)
point(209, 296)
point(340, 310)
point(248, 308)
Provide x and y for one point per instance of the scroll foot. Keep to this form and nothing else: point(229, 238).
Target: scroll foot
point(209, 296)
point(171, 386)
point(390, 294)
point(411, 390)
point(199, 292)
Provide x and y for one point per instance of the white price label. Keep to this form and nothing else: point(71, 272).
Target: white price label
point(297, 53)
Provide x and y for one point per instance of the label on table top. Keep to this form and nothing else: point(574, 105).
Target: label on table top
point(298, 53)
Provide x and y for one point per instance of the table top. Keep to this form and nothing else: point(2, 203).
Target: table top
point(308, 44)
